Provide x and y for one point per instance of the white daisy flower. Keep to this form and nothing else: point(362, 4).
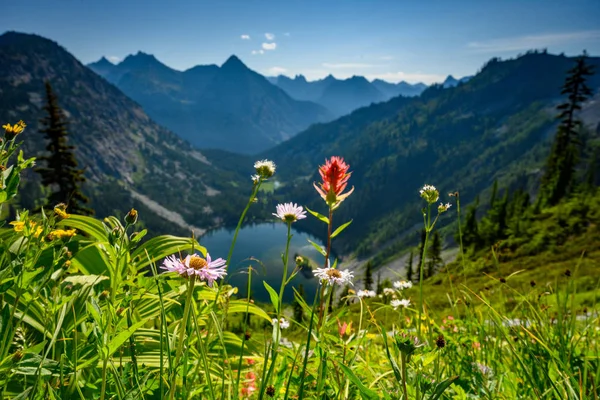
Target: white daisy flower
point(443, 207)
point(333, 276)
point(283, 323)
point(290, 212)
point(366, 293)
point(388, 291)
point(400, 303)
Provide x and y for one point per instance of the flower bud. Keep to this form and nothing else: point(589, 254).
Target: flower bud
point(131, 217)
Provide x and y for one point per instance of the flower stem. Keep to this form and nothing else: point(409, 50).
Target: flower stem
point(184, 321)
point(305, 362)
point(239, 374)
point(322, 297)
point(279, 312)
point(423, 257)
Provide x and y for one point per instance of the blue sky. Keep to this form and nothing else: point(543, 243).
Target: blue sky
point(393, 40)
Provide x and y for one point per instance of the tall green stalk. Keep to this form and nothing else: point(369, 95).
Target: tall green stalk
point(427, 219)
point(275, 347)
point(305, 362)
point(245, 329)
point(183, 325)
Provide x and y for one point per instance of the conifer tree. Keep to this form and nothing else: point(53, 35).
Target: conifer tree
point(297, 307)
point(560, 165)
point(409, 267)
point(471, 227)
point(379, 289)
point(422, 249)
point(60, 172)
point(369, 276)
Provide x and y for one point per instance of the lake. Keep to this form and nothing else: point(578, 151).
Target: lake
point(261, 246)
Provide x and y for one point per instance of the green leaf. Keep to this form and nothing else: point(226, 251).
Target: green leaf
point(162, 246)
point(89, 225)
point(340, 229)
point(273, 294)
point(118, 340)
point(319, 216)
point(239, 306)
point(319, 248)
point(441, 387)
point(366, 392)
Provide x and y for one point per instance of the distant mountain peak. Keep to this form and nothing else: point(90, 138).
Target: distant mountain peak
point(139, 59)
point(233, 62)
point(103, 62)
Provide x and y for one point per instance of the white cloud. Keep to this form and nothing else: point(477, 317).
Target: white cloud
point(113, 59)
point(245, 37)
point(255, 52)
point(270, 36)
point(269, 46)
point(348, 65)
point(276, 71)
point(529, 42)
point(411, 77)
point(386, 58)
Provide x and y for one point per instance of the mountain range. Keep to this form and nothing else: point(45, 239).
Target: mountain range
point(344, 96)
point(229, 107)
point(496, 125)
point(129, 160)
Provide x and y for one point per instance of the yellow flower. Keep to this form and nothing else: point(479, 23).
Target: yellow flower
point(11, 131)
point(38, 231)
point(61, 234)
point(18, 226)
point(61, 211)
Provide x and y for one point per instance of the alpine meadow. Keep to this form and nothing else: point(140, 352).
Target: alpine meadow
point(375, 200)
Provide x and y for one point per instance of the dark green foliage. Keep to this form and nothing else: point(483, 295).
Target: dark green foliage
point(422, 254)
point(409, 267)
point(297, 307)
point(470, 228)
point(368, 281)
point(435, 254)
point(60, 173)
point(558, 177)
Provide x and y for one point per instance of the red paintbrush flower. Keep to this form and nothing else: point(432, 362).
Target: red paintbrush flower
point(335, 177)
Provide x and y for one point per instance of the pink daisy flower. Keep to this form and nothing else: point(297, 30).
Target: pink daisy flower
point(193, 265)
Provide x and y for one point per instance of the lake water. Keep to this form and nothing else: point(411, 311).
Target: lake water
point(261, 246)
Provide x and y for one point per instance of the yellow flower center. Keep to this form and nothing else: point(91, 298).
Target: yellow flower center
point(197, 262)
point(334, 273)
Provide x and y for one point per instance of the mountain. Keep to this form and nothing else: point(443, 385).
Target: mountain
point(229, 107)
point(497, 125)
point(345, 96)
point(451, 81)
point(129, 160)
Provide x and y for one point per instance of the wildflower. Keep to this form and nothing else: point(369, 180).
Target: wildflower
point(388, 291)
point(442, 208)
point(290, 212)
point(283, 323)
point(194, 265)
point(264, 169)
point(429, 193)
point(10, 132)
point(440, 342)
point(271, 391)
point(299, 260)
point(18, 226)
point(345, 328)
point(61, 234)
point(28, 228)
point(333, 276)
point(397, 303)
point(255, 179)
point(61, 210)
point(131, 217)
point(484, 369)
point(401, 285)
point(366, 293)
point(335, 177)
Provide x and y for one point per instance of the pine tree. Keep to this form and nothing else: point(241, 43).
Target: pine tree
point(379, 289)
point(369, 276)
point(297, 307)
point(435, 254)
point(409, 267)
point(560, 166)
point(471, 227)
point(60, 173)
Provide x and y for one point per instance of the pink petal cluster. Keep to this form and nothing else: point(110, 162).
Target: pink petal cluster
point(208, 270)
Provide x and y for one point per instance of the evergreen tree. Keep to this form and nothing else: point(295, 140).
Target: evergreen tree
point(369, 276)
point(60, 173)
point(297, 307)
point(470, 228)
point(435, 254)
point(379, 289)
point(409, 267)
point(560, 166)
point(494, 193)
